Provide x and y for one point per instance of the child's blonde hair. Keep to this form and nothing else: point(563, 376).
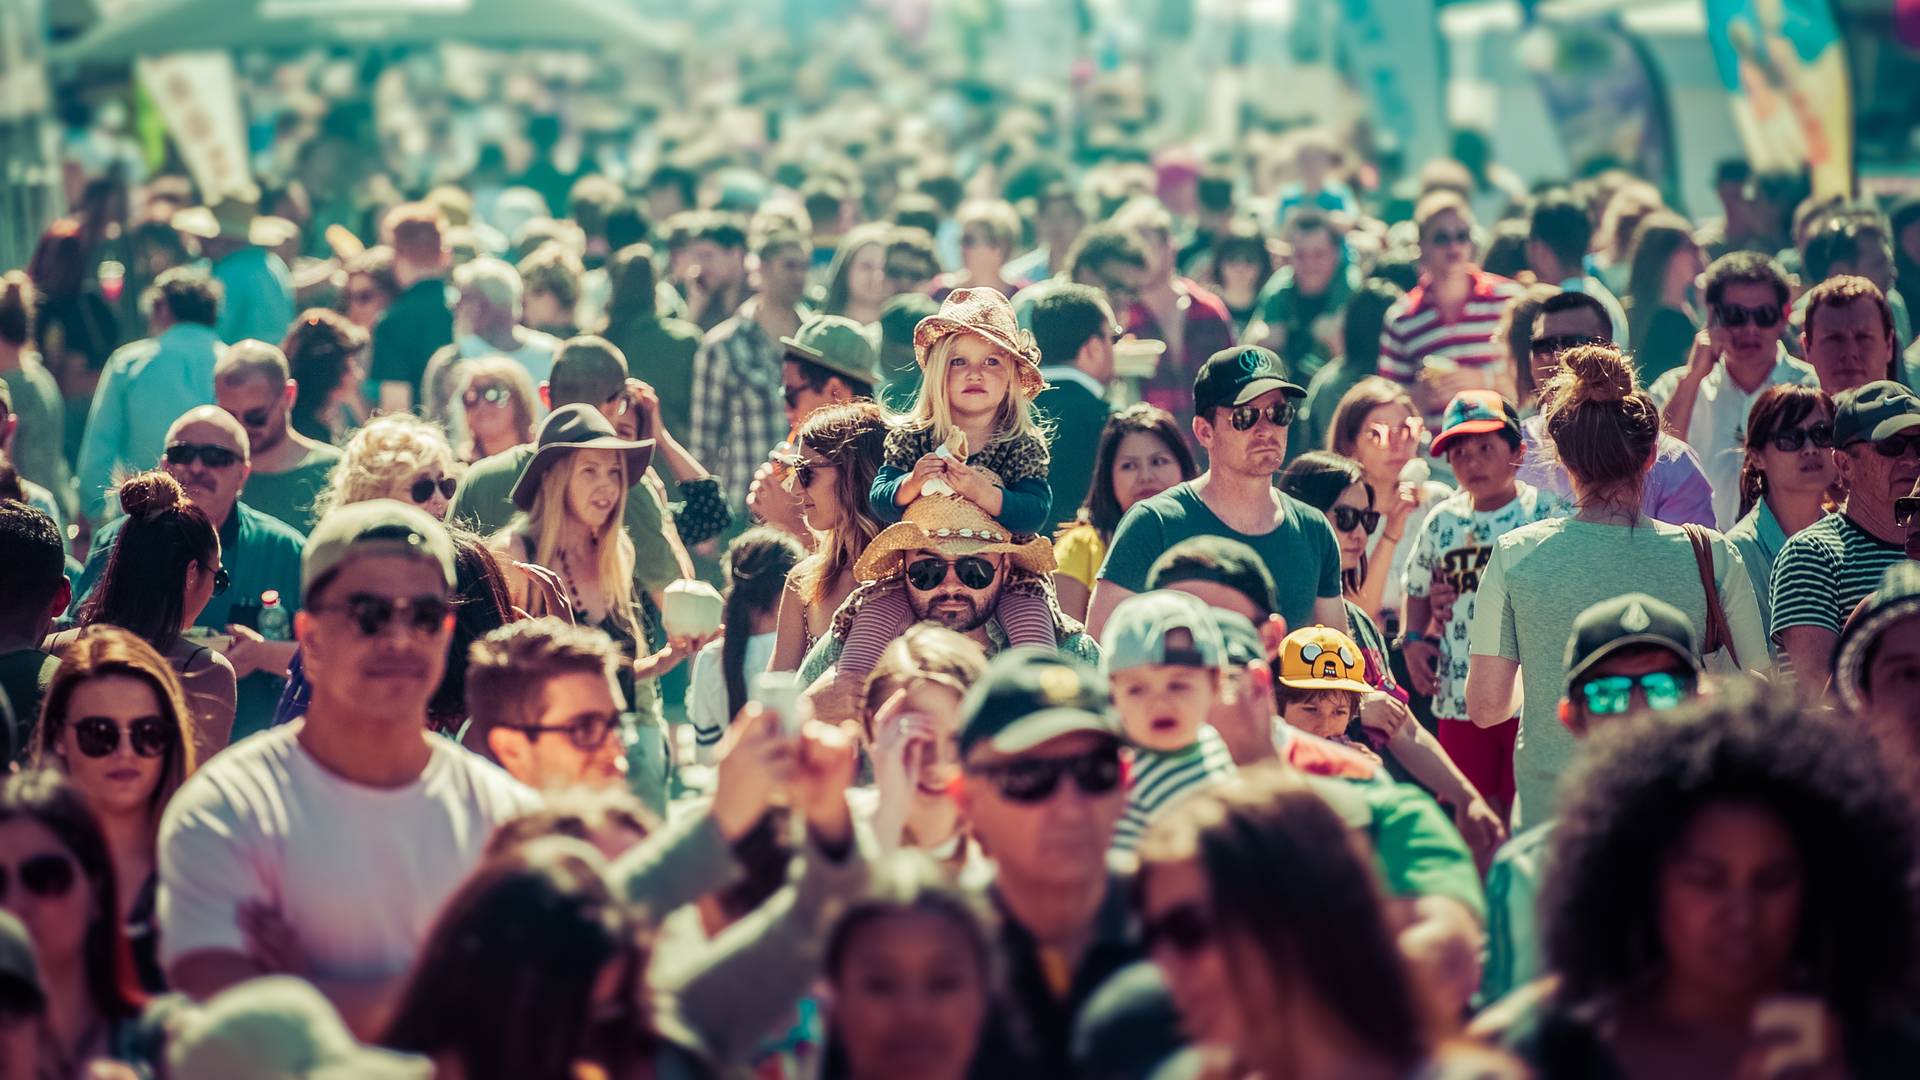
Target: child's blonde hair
point(1015, 418)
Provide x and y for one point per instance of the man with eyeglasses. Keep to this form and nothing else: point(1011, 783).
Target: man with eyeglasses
point(207, 450)
point(546, 705)
point(286, 470)
point(1826, 568)
point(1677, 490)
point(1734, 360)
point(1074, 328)
point(1441, 338)
point(1626, 656)
point(326, 846)
point(1243, 404)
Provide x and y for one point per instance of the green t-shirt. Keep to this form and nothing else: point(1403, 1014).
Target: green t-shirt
point(40, 440)
point(484, 503)
point(1301, 552)
point(289, 496)
point(24, 678)
point(1416, 848)
point(1073, 405)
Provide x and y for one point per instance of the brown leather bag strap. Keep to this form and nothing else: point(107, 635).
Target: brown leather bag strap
point(1719, 633)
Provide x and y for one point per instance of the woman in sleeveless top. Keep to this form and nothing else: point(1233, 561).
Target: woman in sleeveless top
point(837, 452)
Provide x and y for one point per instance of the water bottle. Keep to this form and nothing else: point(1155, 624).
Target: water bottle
point(274, 622)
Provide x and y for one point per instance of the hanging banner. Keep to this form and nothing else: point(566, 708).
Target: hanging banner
point(1603, 96)
point(1393, 58)
point(1784, 66)
point(198, 97)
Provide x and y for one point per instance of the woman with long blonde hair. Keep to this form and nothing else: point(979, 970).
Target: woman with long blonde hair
point(498, 406)
point(837, 452)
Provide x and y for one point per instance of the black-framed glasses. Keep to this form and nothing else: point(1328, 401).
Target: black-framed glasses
point(1766, 316)
point(222, 581)
point(1184, 929)
point(1559, 343)
point(422, 490)
point(371, 614)
point(1349, 518)
point(496, 395)
point(926, 574)
point(585, 732)
point(216, 457)
point(1444, 238)
point(1612, 695)
point(97, 736)
point(1896, 446)
point(1033, 780)
point(1791, 440)
point(1243, 417)
point(47, 876)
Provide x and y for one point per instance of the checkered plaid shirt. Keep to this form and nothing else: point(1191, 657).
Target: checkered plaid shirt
point(739, 405)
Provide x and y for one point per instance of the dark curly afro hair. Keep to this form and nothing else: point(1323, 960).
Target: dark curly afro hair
point(1642, 782)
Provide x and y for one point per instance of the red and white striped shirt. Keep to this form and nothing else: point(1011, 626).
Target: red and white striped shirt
point(1415, 329)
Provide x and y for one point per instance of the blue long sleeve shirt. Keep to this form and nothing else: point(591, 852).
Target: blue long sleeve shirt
point(145, 387)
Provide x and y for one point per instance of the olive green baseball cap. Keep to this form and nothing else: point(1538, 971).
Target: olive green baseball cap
point(375, 527)
point(838, 344)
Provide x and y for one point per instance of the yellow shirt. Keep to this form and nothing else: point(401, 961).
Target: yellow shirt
point(1080, 551)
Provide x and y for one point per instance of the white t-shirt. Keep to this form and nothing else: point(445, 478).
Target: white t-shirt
point(707, 687)
point(360, 873)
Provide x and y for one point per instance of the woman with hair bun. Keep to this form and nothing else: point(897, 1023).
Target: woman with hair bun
point(162, 571)
point(1605, 429)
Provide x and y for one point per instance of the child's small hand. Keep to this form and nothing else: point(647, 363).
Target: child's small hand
point(928, 467)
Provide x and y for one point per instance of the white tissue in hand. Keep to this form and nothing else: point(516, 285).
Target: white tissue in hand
point(1416, 472)
point(691, 609)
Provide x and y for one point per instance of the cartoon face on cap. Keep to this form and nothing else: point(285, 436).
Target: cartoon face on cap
point(1321, 658)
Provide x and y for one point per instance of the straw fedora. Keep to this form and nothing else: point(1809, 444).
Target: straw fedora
point(983, 312)
point(950, 524)
point(576, 427)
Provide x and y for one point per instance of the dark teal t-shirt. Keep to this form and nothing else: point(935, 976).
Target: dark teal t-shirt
point(1301, 552)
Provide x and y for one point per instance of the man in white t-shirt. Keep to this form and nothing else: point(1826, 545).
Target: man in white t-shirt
point(325, 847)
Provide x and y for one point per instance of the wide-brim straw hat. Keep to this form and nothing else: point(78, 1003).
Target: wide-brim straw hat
point(954, 526)
point(987, 314)
point(576, 427)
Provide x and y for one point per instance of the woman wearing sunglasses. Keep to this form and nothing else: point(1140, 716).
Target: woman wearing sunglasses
point(1142, 453)
point(1337, 487)
point(837, 453)
point(1377, 427)
point(497, 407)
point(1785, 480)
point(1263, 911)
point(57, 877)
point(396, 456)
point(115, 722)
point(167, 539)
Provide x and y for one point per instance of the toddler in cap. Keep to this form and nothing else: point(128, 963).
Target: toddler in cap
point(1163, 659)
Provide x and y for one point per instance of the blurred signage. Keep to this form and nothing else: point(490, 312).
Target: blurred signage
point(352, 9)
point(23, 64)
point(198, 98)
point(1784, 66)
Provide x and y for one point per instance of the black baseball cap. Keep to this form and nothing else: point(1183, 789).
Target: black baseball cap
point(1873, 412)
point(1626, 621)
point(1237, 375)
point(1031, 695)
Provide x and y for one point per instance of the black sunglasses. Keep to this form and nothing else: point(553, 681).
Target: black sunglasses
point(1184, 929)
point(1243, 417)
point(222, 581)
point(1905, 509)
point(97, 736)
point(425, 614)
point(927, 573)
point(1895, 446)
point(216, 457)
point(1764, 316)
point(1559, 343)
point(585, 733)
point(1033, 780)
point(1820, 435)
point(800, 472)
point(422, 490)
point(1442, 238)
point(495, 395)
point(1349, 518)
point(47, 876)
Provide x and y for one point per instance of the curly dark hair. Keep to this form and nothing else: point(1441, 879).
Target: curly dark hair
point(1645, 779)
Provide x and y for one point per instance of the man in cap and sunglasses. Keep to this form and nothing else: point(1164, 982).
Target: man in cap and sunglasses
point(1242, 405)
point(1825, 569)
point(207, 450)
point(1734, 360)
point(326, 846)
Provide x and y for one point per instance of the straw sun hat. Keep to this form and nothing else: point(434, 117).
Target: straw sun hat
point(953, 526)
point(987, 314)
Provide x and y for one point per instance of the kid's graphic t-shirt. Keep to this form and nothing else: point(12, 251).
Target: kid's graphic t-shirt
point(1454, 544)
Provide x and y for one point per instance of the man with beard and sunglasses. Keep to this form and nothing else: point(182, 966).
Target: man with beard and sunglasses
point(1243, 404)
point(1734, 360)
point(1825, 569)
point(207, 450)
point(286, 470)
point(325, 847)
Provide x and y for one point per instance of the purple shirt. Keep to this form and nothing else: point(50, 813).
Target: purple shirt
point(1677, 491)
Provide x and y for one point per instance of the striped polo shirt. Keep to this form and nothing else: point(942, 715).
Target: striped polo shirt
point(1824, 571)
point(1415, 329)
point(1159, 779)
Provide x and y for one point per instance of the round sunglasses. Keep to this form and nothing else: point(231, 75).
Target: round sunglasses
point(422, 490)
point(495, 395)
point(46, 876)
point(973, 571)
point(98, 737)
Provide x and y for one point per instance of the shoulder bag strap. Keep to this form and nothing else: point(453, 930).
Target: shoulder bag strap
point(1719, 634)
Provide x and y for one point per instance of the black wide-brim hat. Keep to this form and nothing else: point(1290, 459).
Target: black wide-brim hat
point(576, 427)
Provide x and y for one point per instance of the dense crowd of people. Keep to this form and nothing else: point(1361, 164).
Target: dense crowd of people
point(973, 593)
